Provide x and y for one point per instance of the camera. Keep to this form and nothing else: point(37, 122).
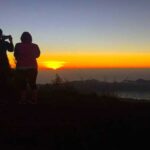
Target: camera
point(5, 37)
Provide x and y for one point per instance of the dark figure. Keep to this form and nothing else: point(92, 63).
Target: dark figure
point(5, 69)
point(25, 54)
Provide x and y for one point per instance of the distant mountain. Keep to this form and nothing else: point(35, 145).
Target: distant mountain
point(136, 81)
point(100, 86)
point(96, 86)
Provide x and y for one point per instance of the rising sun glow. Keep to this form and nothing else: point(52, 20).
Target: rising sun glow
point(54, 64)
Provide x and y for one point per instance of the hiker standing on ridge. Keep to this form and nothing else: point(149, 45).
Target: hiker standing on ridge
point(25, 54)
point(5, 69)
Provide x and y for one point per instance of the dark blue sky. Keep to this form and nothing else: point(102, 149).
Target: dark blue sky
point(81, 25)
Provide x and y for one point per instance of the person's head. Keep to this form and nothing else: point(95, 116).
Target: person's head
point(1, 33)
point(26, 37)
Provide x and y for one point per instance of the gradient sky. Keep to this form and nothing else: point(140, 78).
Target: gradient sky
point(83, 33)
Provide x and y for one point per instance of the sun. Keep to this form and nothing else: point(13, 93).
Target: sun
point(54, 64)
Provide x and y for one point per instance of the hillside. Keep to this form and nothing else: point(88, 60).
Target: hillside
point(66, 119)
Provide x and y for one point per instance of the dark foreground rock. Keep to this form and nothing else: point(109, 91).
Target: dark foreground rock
point(64, 124)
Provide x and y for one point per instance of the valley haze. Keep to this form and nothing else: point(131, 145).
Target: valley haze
point(108, 75)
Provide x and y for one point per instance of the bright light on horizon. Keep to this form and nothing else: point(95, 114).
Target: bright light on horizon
point(53, 64)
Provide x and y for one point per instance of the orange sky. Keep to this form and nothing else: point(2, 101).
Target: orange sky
point(103, 60)
point(92, 60)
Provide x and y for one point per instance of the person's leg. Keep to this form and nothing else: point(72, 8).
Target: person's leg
point(4, 85)
point(32, 75)
point(21, 84)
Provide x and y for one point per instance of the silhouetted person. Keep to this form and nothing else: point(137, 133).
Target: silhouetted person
point(5, 69)
point(25, 54)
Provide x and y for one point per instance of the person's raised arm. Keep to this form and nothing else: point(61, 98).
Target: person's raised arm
point(10, 44)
